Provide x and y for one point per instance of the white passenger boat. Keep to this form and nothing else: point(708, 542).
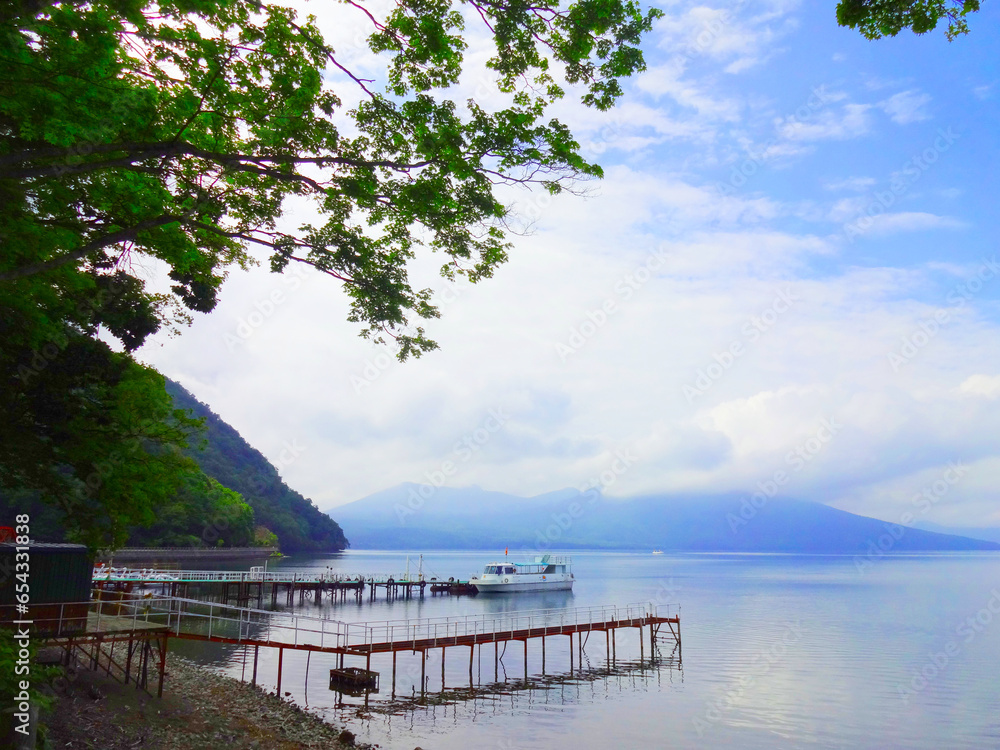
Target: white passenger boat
point(546, 573)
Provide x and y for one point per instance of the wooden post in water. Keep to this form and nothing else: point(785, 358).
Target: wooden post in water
point(394, 674)
point(256, 650)
point(472, 651)
point(571, 653)
point(281, 658)
point(613, 654)
point(163, 665)
point(423, 668)
point(443, 649)
point(543, 656)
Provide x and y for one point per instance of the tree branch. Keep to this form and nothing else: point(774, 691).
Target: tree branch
point(114, 238)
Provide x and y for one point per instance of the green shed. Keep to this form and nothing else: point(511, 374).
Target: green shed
point(59, 583)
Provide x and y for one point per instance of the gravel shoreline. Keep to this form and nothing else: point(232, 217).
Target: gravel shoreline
point(200, 710)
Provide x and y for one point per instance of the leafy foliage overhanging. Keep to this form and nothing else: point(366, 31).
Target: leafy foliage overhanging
point(881, 18)
point(176, 131)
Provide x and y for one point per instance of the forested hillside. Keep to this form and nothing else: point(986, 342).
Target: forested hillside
point(230, 460)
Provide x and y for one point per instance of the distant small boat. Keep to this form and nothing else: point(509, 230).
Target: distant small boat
point(657, 551)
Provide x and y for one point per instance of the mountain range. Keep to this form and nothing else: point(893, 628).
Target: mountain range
point(413, 516)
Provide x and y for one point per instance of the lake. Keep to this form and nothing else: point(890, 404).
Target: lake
point(779, 651)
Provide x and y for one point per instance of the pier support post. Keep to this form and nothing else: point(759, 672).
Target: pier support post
point(543, 656)
point(256, 651)
point(642, 645)
point(423, 670)
point(571, 653)
point(394, 674)
point(614, 655)
point(443, 649)
point(281, 658)
point(163, 666)
point(472, 652)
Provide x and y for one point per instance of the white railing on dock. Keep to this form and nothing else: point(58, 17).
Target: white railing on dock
point(443, 631)
point(277, 628)
point(151, 575)
point(199, 618)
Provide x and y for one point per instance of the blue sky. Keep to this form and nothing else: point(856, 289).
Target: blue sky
point(706, 325)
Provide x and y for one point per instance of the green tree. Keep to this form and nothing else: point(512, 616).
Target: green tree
point(879, 18)
point(175, 133)
point(178, 131)
point(95, 434)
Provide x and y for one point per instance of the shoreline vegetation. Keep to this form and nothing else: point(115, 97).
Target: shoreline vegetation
point(159, 554)
point(200, 710)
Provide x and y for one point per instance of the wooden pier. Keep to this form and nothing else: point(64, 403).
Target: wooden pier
point(207, 621)
point(257, 586)
point(145, 622)
point(112, 638)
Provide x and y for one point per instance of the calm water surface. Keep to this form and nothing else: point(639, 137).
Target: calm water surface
point(779, 651)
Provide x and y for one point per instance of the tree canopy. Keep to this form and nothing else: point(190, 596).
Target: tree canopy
point(175, 133)
point(880, 18)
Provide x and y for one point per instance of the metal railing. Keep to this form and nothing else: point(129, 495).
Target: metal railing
point(152, 575)
point(443, 631)
point(192, 617)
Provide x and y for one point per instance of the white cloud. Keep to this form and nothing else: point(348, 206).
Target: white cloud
point(906, 107)
point(854, 184)
point(907, 221)
point(984, 386)
point(851, 121)
point(983, 92)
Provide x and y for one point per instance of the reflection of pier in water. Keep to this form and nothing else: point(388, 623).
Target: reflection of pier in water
point(647, 669)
